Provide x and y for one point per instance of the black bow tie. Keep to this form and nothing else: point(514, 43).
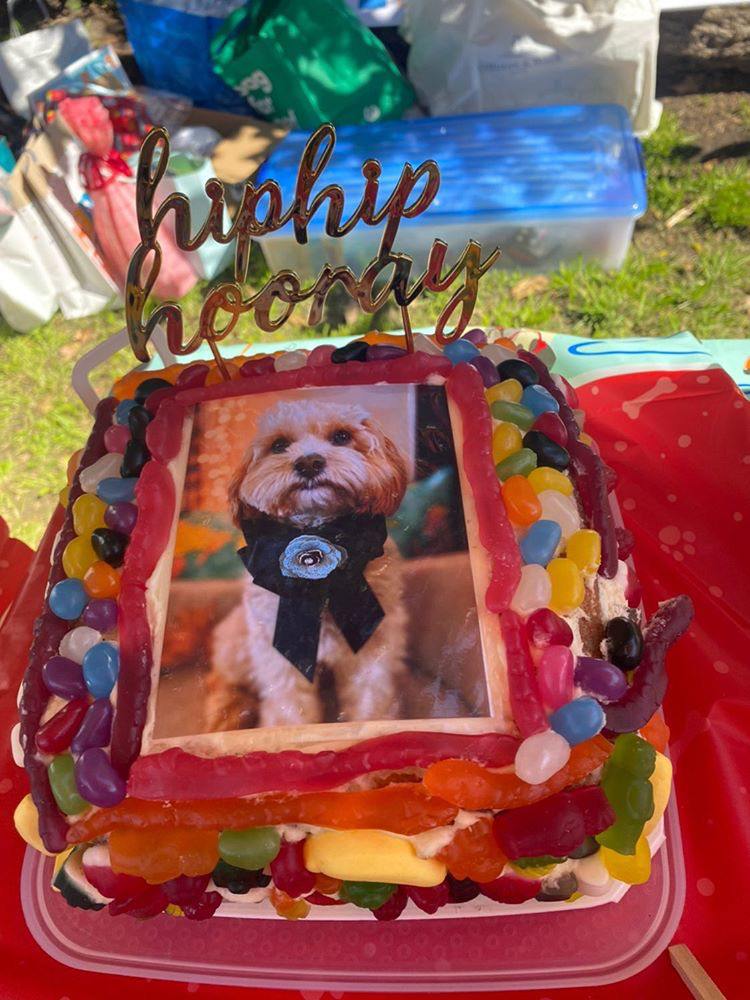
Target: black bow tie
point(311, 569)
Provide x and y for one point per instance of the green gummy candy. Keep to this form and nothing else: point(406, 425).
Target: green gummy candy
point(520, 463)
point(633, 754)
point(540, 862)
point(368, 895)
point(514, 413)
point(629, 792)
point(62, 781)
point(250, 849)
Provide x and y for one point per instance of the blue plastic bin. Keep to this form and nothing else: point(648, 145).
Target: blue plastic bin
point(171, 44)
point(546, 185)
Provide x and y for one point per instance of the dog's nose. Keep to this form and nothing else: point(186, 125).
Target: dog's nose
point(309, 466)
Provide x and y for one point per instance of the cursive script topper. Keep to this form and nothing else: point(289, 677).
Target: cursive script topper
point(274, 303)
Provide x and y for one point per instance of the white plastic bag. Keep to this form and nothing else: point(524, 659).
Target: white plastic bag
point(28, 61)
point(485, 55)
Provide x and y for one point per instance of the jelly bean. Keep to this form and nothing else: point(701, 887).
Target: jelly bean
point(473, 853)
point(285, 906)
point(511, 888)
point(239, 881)
point(540, 542)
point(192, 376)
point(513, 413)
point(593, 878)
point(393, 909)
point(62, 782)
point(548, 452)
point(104, 467)
point(545, 628)
point(578, 721)
point(250, 849)
point(556, 507)
point(289, 871)
point(116, 438)
point(109, 546)
point(540, 756)
point(550, 424)
point(521, 502)
point(318, 356)
point(519, 370)
point(63, 496)
point(100, 615)
point(114, 490)
point(555, 673)
point(217, 377)
point(138, 420)
point(462, 890)
point(96, 780)
point(101, 666)
point(378, 352)
point(67, 599)
point(624, 641)
point(568, 590)
point(135, 457)
point(56, 733)
point(584, 547)
point(264, 364)
point(77, 556)
point(558, 889)
point(554, 826)
point(148, 386)
point(533, 591)
point(355, 350)
point(520, 463)
point(368, 895)
point(460, 350)
point(64, 677)
point(539, 400)
point(486, 369)
point(633, 869)
point(370, 856)
point(120, 517)
point(476, 336)
point(73, 462)
point(509, 391)
point(599, 678)
point(122, 411)
point(160, 855)
point(88, 514)
point(289, 361)
point(506, 438)
point(75, 644)
point(630, 793)
point(101, 580)
point(661, 783)
point(546, 478)
point(96, 727)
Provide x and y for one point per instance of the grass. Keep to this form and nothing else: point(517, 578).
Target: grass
point(694, 276)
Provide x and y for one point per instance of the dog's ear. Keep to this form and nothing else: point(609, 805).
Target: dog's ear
point(390, 480)
point(239, 510)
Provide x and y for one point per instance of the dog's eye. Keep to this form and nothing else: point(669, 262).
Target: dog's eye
point(341, 437)
point(279, 445)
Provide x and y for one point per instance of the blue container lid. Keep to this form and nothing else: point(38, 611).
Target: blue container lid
point(577, 161)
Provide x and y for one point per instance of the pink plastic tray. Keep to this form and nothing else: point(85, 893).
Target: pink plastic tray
point(576, 948)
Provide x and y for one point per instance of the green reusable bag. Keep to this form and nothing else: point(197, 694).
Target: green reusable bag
point(302, 64)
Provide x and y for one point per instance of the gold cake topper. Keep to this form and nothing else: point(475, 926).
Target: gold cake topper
point(226, 302)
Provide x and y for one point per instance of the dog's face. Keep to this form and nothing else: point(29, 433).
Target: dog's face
point(314, 461)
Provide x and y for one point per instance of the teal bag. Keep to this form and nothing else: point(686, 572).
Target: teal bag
point(304, 64)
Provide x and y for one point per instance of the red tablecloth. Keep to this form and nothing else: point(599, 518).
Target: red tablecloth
point(683, 456)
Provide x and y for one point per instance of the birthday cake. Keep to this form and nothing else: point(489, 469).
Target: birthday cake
point(354, 628)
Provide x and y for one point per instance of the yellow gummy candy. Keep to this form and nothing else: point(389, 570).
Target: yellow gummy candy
point(506, 440)
point(584, 547)
point(585, 438)
point(88, 514)
point(60, 860)
point(567, 586)
point(370, 856)
point(633, 869)
point(545, 478)
point(64, 496)
point(509, 391)
point(78, 556)
point(26, 821)
point(661, 782)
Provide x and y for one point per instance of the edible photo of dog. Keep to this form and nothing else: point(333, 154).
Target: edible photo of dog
point(348, 504)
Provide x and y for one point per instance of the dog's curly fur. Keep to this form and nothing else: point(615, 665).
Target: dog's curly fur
point(311, 461)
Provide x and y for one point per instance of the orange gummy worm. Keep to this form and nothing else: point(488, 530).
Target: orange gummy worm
point(472, 786)
point(656, 732)
point(402, 808)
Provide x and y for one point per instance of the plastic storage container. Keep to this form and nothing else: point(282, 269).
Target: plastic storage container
point(546, 185)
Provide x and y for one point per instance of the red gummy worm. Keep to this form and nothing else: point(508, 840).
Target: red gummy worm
point(525, 700)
